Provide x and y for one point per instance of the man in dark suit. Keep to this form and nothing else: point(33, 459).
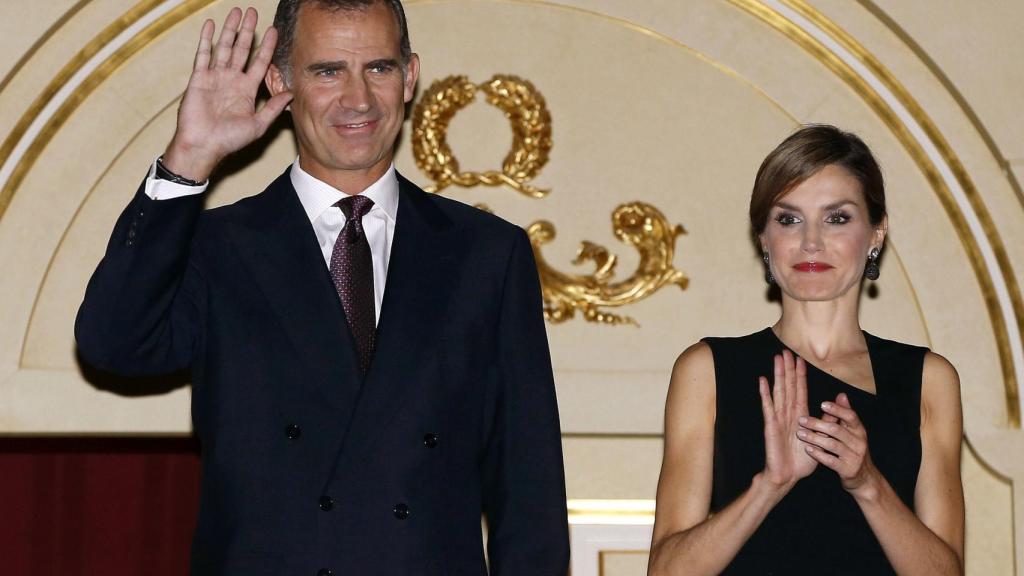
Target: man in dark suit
point(369, 362)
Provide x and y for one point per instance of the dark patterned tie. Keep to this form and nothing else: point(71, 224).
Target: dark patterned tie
point(352, 272)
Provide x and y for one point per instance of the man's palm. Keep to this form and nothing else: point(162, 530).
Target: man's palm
point(218, 114)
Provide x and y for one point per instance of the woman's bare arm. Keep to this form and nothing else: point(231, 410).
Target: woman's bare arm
point(686, 540)
point(930, 542)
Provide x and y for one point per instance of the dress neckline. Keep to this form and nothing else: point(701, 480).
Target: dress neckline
point(871, 359)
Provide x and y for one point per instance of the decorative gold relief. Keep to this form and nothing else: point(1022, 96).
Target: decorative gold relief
point(637, 224)
point(522, 104)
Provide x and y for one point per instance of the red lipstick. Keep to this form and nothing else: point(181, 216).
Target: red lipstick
point(813, 267)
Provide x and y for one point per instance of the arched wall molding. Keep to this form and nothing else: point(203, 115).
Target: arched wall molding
point(43, 39)
point(85, 199)
point(968, 111)
point(83, 73)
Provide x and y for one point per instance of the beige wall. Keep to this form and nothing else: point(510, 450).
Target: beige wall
point(666, 102)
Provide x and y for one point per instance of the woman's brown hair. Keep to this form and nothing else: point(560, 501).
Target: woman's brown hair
point(801, 156)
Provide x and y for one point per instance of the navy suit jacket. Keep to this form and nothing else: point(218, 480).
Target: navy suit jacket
point(308, 467)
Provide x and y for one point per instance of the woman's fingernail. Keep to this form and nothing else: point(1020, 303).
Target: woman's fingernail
point(826, 405)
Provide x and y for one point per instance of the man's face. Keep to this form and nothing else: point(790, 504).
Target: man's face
point(349, 91)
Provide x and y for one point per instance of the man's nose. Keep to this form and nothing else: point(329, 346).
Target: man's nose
point(355, 95)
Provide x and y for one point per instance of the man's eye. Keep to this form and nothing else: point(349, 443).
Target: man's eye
point(326, 72)
point(381, 68)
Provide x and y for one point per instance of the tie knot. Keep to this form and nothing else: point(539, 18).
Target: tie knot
point(355, 206)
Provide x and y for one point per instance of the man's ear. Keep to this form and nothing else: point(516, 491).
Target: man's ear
point(412, 74)
point(275, 81)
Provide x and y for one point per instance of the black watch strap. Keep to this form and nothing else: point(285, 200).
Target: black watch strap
point(162, 173)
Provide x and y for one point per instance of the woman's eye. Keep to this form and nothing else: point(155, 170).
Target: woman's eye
point(837, 218)
point(786, 219)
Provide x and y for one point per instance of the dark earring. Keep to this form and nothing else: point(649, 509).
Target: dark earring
point(768, 271)
point(871, 271)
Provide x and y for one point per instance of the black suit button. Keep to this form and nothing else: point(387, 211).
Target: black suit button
point(324, 572)
point(401, 511)
point(326, 503)
point(292, 431)
point(430, 440)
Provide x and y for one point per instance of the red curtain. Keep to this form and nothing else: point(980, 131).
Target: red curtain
point(105, 506)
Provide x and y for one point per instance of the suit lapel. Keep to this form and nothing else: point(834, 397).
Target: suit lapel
point(420, 274)
point(282, 253)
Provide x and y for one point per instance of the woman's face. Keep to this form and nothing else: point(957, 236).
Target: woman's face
point(818, 236)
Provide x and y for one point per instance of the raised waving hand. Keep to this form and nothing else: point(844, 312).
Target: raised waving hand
point(218, 114)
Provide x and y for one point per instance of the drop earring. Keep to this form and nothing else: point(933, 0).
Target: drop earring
point(871, 271)
point(768, 270)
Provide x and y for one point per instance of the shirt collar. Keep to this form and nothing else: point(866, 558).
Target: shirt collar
point(317, 196)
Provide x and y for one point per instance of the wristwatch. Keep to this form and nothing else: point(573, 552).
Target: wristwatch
point(162, 173)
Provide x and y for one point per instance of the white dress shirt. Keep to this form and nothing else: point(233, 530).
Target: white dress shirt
point(318, 200)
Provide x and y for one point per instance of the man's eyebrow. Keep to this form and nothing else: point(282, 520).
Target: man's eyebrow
point(383, 62)
point(330, 65)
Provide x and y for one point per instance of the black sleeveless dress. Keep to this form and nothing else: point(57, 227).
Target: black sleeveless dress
point(818, 527)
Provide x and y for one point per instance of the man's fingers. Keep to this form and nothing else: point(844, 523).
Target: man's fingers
point(205, 46)
point(261, 62)
point(240, 52)
point(222, 53)
point(272, 109)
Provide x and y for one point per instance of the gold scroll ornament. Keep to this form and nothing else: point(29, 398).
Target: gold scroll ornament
point(637, 224)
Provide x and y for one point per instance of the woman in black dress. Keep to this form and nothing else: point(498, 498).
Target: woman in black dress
point(847, 459)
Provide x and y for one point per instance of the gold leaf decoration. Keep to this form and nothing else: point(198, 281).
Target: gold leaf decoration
point(522, 104)
point(637, 224)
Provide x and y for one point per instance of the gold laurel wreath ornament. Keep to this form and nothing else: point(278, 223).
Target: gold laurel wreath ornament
point(636, 224)
point(522, 104)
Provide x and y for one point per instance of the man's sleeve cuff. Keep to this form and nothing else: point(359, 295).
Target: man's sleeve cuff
point(158, 189)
